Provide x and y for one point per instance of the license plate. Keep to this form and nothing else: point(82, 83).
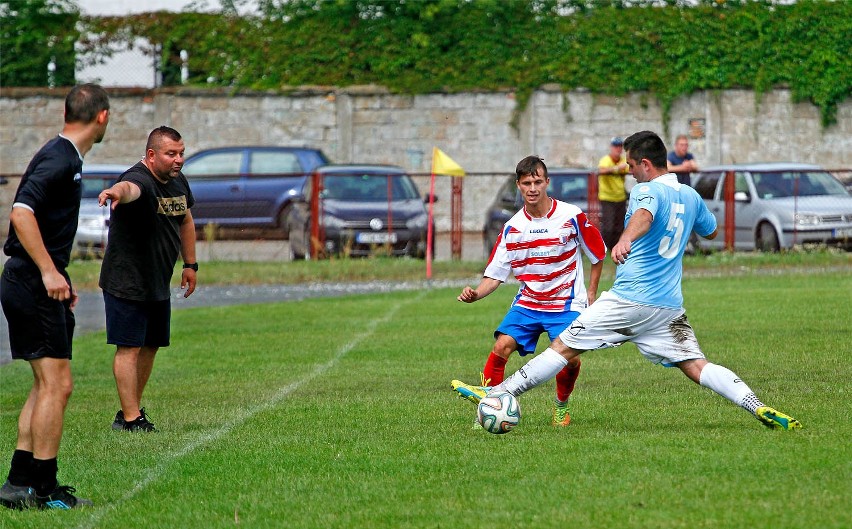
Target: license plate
point(381, 237)
point(843, 233)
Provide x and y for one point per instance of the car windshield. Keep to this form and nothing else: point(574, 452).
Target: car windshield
point(780, 184)
point(368, 187)
point(569, 187)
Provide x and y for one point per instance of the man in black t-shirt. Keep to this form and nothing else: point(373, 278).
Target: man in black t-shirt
point(38, 298)
point(150, 224)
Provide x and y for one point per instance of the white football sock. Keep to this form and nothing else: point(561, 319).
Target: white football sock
point(727, 384)
point(540, 369)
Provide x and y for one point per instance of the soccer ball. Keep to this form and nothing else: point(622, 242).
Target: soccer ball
point(499, 413)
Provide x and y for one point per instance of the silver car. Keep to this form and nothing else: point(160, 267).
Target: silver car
point(93, 222)
point(778, 205)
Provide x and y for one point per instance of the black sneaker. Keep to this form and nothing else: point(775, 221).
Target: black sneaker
point(16, 496)
point(62, 497)
point(139, 424)
point(118, 423)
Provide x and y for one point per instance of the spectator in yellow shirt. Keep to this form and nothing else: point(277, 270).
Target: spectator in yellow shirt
point(612, 169)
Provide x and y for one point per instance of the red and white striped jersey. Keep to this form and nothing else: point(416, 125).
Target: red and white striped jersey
point(543, 254)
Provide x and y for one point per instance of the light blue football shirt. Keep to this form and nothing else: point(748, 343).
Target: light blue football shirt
point(654, 268)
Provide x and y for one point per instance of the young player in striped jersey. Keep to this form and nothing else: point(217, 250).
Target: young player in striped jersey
point(540, 245)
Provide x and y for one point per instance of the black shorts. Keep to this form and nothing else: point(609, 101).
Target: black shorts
point(39, 327)
point(132, 323)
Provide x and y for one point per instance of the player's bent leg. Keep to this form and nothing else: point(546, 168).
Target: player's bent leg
point(565, 382)
point(495, 367)
point(726, 383)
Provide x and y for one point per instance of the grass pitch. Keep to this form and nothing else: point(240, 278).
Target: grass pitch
point(337, 413)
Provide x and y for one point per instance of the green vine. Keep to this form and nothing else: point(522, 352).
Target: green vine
point(609, 47)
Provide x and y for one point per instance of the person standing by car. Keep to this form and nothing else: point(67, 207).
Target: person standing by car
point(612, 170)
point(38, 299)
point(681, 162)
point(151, 223)
point(540, 245)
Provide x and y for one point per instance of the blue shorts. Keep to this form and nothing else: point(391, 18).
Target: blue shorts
point(137, 323)
point(525, 326)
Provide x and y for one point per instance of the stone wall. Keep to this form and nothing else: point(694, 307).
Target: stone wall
point(370, 125)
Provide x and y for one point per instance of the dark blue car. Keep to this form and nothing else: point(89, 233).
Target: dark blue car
point(248, 186)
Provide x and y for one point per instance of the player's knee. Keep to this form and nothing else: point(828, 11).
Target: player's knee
point(59, 388)
point(504, 352)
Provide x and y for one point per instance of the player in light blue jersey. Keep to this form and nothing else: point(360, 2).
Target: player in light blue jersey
point(652, 274)
point(645, 304)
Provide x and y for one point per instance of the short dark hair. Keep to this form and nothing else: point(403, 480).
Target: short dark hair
point(84, 102)
point(646, 145)
point(529, 165)
point(157, 135)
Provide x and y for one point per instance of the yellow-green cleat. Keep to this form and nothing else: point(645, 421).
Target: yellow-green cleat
point(472, 393)
point(776, 420)
point(560, 415)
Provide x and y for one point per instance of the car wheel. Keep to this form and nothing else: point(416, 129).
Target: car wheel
point(283, 222)
point(767, 238)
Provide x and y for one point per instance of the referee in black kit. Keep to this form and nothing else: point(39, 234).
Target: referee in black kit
point(37, 297)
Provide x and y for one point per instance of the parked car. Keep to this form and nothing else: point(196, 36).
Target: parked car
point(248, 186)
point(778, 205)
point(566, 184)
point(93, 222)
point(355, 212)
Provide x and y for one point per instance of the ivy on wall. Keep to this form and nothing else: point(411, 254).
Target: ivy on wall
point(606, 46)
point(38, 39)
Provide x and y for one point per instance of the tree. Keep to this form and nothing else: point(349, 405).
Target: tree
point(35, 34)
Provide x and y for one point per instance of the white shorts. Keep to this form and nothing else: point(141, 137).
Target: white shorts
point(662, 335)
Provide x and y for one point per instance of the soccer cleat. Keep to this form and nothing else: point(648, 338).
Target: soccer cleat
point(16, 496)
point(118, 423)
point(776, 420)
point(140, 424)
point(560, 415)
point(472, 393)
point(61, 497)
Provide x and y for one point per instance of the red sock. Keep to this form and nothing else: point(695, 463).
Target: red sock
point(565, 381)
point(495, 368)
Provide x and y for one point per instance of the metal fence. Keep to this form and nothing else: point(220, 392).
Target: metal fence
point(756, 209)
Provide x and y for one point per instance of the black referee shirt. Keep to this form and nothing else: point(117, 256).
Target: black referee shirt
point(52, 187)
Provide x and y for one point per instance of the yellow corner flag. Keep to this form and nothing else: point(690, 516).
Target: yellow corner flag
point(443, 164)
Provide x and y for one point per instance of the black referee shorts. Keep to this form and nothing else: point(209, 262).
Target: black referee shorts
point(39, 327)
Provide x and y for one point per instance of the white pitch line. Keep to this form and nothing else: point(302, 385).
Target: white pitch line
point(157, 472)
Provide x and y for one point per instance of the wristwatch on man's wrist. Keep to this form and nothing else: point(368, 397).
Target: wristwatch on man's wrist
point(193, 266)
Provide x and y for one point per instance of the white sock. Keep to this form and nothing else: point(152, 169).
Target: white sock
point(540, 369)
point(727, 384)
